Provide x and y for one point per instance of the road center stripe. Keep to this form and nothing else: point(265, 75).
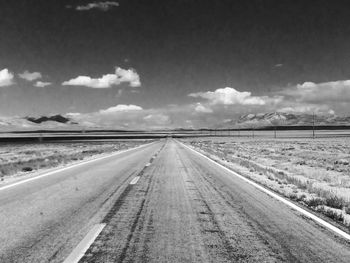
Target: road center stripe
point(283, 200)
point(84, 245)
point(135, 180)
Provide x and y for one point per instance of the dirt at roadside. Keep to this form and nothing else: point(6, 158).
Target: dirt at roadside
point(18, 160)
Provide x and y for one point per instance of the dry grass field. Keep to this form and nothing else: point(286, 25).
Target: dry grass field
point(20, 159)
point(314, 173)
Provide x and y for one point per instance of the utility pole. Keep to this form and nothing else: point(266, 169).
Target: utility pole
point(313, 125)
point(40, 137)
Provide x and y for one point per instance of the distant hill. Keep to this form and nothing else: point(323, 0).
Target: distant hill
point(57, 118)
point(39, 123)
point(260, 120)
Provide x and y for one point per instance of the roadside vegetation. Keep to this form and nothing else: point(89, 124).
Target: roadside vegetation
point(20, 159)
point(314, 173)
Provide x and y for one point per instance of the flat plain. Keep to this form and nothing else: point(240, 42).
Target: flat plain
point(162, 202)
point(312, 172)
point(22, 159)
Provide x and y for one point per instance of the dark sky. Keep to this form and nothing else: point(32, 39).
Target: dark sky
point(177, 47)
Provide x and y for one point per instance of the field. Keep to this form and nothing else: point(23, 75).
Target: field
point(314, 173)
point(20, 159)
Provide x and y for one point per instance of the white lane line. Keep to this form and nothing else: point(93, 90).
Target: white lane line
point(135, 180)
point(84, 245)
point(70, 166)
point(283, 200)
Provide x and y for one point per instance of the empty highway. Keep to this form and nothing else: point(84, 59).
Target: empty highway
point(158, 203)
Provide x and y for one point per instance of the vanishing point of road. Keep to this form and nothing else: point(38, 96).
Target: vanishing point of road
point(158, 203)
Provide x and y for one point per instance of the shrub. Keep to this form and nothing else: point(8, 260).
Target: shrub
point(347, 209)
point(301, 198)
point(335, 202)
point(27, 169)
point(314, 202)
point(293, 196)
point(334, 215)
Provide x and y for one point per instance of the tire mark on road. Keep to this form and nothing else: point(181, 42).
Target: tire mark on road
point(213, 216)
point(132, 230)
point(94, 253)
point(214, 237)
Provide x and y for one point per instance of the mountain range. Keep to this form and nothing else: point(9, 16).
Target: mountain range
point(258, 120)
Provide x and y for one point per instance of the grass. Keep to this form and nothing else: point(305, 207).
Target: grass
point(311, 172)
point(334, 215)
point(16, 159)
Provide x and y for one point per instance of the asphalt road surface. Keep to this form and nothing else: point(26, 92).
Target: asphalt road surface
point(182, 209)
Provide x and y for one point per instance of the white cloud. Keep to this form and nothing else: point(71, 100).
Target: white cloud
point(128, 75)
point(121, 107)
point(334, 91)
point(30, 76)
point(73, 114)
point(157, 119)
point(103, 6)
point(308, 108)
point(125, 117)
point(230, 96)
point(6, 78)
point(202, 109)
point(42, 84)
point(106, 81)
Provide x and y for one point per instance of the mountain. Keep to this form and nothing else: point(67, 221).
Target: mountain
point(39, 123)
point(260, 120)
point(57, 118)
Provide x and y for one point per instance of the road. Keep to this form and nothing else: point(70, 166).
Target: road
point(182, 209)
point(43, 220)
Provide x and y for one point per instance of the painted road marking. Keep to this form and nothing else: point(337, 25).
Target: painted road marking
point(84, 245)
point(70, 166)
point(283, 200)
point(135, 180)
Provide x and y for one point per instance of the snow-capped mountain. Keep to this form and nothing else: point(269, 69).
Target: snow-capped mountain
point(286, 119)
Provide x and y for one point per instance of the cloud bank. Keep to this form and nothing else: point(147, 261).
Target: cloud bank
point(327, 98)
point(202, 109)
point(30, 76)
point(230, 96)
point(42, 84)
point(6, 78)
point(124, 116)
point(334, 91)
point(129, 76)
point(102, 6)
point(121, 107)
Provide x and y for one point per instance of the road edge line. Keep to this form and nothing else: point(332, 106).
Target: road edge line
point(279, 198)
point(135, 180)
point(79, 251)
point(70, 166)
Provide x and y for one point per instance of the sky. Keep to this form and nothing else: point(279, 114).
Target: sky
point(175, 63)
